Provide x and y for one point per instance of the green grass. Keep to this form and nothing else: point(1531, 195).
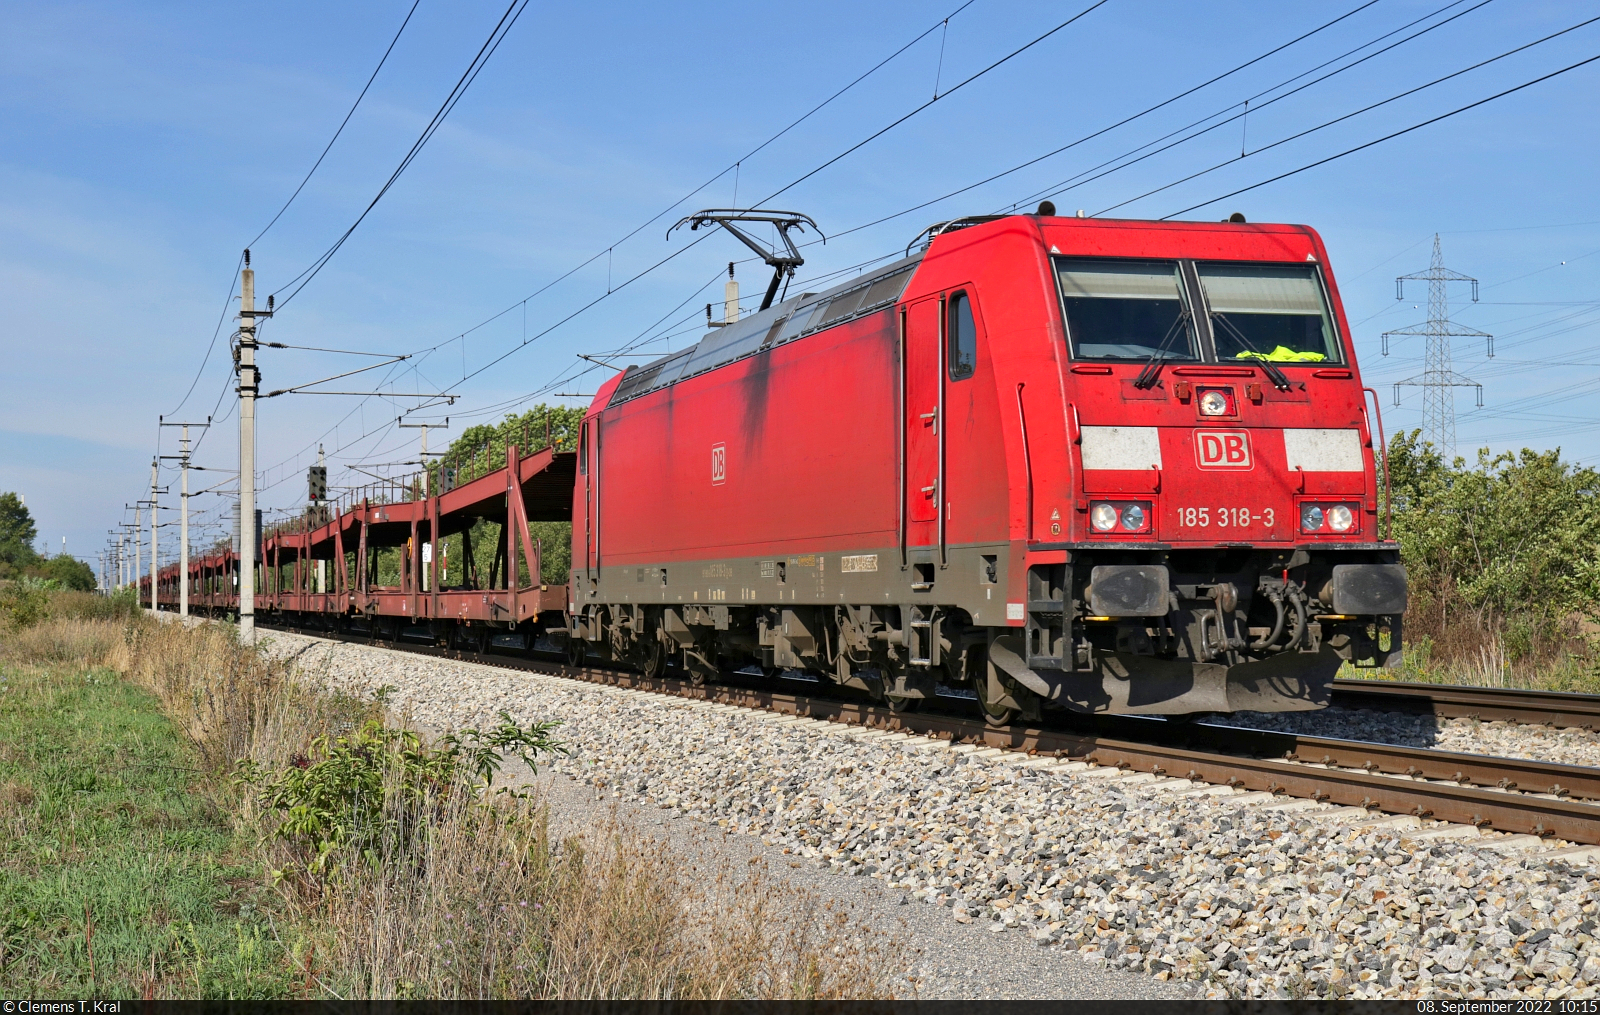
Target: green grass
point(119, 875)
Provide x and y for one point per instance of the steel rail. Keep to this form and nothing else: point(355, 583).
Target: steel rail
point(1552, 708)
point(1503, 794)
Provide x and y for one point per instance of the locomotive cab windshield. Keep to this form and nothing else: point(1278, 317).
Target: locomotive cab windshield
point(1119, 310)
point(1268, 312)
point(1126, 310)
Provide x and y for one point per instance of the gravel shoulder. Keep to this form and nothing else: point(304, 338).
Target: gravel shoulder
point(950, 961)
point(1032, 878)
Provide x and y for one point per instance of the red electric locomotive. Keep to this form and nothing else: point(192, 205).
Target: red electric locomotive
point(1109, 466)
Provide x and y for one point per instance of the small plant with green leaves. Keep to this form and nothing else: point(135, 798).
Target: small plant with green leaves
point(371, 790)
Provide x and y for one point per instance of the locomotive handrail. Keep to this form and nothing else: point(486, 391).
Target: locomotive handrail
point(1388, 498)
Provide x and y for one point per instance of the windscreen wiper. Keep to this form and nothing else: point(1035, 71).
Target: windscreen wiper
point(1152, 367)
point(1279, 379)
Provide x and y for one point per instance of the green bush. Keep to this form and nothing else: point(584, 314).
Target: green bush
point(1503, 549)
point(24, 602)
point(369, 791)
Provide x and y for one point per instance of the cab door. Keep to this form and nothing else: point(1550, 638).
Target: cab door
point(585, 528)
point(922, 401)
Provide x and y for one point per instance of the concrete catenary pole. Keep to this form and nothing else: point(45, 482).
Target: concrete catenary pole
point(155, 566)
point(138, 544)
point(183, 528)
point(183, 511)
point(249, 382)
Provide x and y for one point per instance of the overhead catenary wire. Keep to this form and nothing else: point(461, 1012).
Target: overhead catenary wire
point(1225, 196)
point(795, 182)
point(233, 277)
point(1364, 109)
point(937, 98)
point(656, 265)
point(1077, 180)
point(1387, 137)
point(342, 124)
point(227, 304)
point(758, 148)
point(497, 35)
point(1110, 127)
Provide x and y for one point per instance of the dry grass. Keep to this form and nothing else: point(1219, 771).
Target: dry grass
point(478, 901)
point(1468, 650)
point(82, 644)
point(486, 904)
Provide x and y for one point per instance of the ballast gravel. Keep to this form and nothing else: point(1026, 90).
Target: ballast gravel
point(1466, 736)
point(1240, 895)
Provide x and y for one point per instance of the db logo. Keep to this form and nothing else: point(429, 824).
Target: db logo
point(1222, 449)
point(719, 464)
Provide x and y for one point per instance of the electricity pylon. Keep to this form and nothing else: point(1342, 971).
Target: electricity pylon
point(1437, 379)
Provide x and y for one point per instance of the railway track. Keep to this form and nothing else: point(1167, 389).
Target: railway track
point(1534, 799)
point(1550, 708)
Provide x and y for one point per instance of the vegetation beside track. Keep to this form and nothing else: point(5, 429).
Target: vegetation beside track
point(1503, 557)
point(185, 818)
point(118, 876)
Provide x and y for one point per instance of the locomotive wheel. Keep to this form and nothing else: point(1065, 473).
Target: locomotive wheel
point(577, 651)
point(902, 706)
point(653, 658)
point(993, 700)
point(993, 714)
point(699, 662)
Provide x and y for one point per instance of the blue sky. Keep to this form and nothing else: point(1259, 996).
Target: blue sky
point(142, 145)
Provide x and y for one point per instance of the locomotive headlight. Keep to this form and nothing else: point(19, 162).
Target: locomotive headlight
point(1310, 518)
point(1103, 517)
point(1133, 517)
point(1340, 518)
point(1213, 403)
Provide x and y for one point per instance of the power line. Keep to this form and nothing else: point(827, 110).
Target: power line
point(342, 124)
point(1386, 137)
point(1120, 123)
point(950, 91)
point(1438, 380)
point(612, 291)
point(422, 353)
point(1077, 179)
point(1346, 116)
point(487, 50)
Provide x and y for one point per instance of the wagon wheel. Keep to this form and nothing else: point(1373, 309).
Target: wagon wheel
point(484, 635)
point(577, 651)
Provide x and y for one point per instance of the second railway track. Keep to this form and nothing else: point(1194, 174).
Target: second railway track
point(1406, 784)
point(1549, 708)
